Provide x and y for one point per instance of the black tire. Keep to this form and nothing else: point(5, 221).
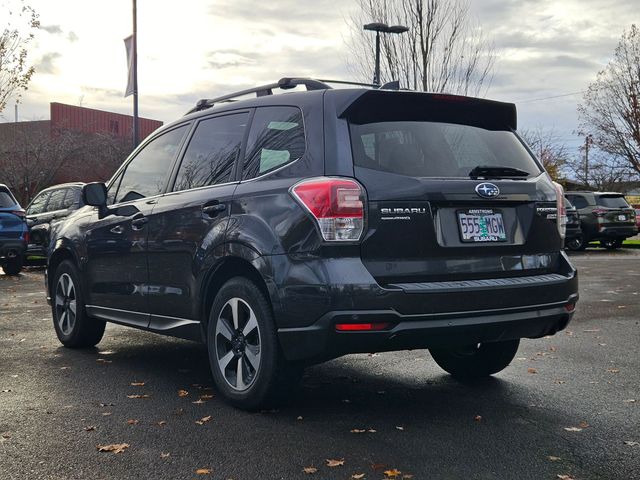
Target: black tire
point(73, 330)
point(274, 378)
point(476, 361)
point(13, 265)
point(611, 244)
point(577, 244)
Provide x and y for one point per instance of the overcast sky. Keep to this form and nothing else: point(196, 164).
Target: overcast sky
point(201, 48)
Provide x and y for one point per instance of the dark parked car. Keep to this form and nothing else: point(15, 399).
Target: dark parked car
point(49, 206)
point(574, 239)
point(14, 233)
point(285, 230)
point(604, 216)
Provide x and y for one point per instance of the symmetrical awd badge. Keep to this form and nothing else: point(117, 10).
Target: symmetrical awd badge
point(487, 190)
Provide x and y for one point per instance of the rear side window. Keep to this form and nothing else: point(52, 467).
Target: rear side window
point(56, 200)
point(6, 200)
point(436, 149)
point(276, 138)
point(612, 201)
point(212, 152)
point(37, 204)
point(70, 197)
point(146, 174)
point(578, 201)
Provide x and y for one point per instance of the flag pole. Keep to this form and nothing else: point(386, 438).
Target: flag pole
point(136, 134)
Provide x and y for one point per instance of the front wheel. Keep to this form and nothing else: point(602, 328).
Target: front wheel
point(476, 360)
point(13, 265)
point(74, 328)
point(246, 362)
point(577, 244)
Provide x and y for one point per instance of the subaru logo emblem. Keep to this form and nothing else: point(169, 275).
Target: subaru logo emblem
point(487, 190)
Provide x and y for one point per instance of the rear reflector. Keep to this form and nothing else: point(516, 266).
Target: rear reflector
point(570, 307)
point(337, 205)
point(361, 327)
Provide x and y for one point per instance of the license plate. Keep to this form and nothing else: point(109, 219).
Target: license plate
point(481, 225)
point(622, 218)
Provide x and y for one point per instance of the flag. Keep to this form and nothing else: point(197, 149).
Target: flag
point(128, 44)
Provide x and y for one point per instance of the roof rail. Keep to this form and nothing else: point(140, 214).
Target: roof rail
point(285, 83)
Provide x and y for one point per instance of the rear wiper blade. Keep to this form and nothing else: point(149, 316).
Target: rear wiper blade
point(487, 171)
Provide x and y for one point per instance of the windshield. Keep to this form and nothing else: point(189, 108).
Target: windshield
point(436, 149)
point(616, 201)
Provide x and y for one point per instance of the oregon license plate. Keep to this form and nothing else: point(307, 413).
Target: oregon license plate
point(481, 225)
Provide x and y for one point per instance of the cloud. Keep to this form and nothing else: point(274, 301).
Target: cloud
point(46, 63)
point(52, 29)
point(72, 37)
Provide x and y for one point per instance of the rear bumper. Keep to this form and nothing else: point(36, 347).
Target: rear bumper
point(617, 232)
point(422, 315)
point(11, 248)
point(321, 341)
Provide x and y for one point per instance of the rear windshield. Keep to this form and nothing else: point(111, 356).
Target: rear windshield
point(6, 200)
point(612, 201)
point(436, 149)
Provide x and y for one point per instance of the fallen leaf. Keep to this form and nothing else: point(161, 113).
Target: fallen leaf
point(182, 393)
point(613, 370)
point(106, 352)
point(358, 430)
point(552, 349)
point(106, 414)
point(133, 421)
point(107, 404)
point(137, 384)
point(162, 423)
point(90, 428)
point(164, 455)
point(199, 402)
point(65, 368)
point(532, 370)
point(398, 427)
point(335, 463)
point(554, 459)
point(630, 400)
point(114, 447)
point(203, 471)
point(565, 477)
point(393, 473)
point(203, 420)
point(631, 444)
point(371, 430)
point(102, 360)
point(583, 424)
point(140, 395)
point(5, 434)
point(357, 476)
point(477, 418)
point(407, 476)
point(206, 397)
point(309, 470)
point(573, 429)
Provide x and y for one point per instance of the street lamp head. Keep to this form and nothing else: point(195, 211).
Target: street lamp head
point(398, 29)
point(377, 27)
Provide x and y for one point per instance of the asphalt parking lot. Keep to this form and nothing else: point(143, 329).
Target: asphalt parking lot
point(568, 406)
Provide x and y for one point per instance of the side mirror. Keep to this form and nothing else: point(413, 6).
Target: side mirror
point(95, 194)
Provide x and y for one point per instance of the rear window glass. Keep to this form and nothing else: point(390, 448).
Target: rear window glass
point(6, 200)
point(612, 201)
point(436, 149)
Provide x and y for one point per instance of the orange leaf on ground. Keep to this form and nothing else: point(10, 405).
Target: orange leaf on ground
point(203, 420)
point(335, 463)
point(139, 395)
point(392, 473)
point(182, 393)
point(114, 447)
point(137, 384)
point(203, 471)
point(357, 476)
point(164, 455)
point(477, 418)
point(309, 470)
point(532, 370)
point(133, 421)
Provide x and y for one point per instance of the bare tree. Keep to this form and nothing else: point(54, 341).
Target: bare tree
point(548, 147)
point(15, 72)
point(610, 110)
point(443, 51)
point(605, 172)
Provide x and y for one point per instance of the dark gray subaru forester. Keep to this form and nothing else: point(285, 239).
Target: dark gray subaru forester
point(284, 230)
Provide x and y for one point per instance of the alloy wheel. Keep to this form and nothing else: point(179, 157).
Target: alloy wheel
point(65, 304)
point(237, 344)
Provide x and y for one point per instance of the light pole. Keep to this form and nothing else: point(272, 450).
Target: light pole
point(382, 28)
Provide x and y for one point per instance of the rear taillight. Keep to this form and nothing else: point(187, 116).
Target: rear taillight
point(561, 217)
point(598, 212)
point(337, 205)
point(26, 237)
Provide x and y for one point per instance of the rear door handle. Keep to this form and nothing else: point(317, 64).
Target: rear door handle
point(118, 229)
point(138, 221)
point(213, 210)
